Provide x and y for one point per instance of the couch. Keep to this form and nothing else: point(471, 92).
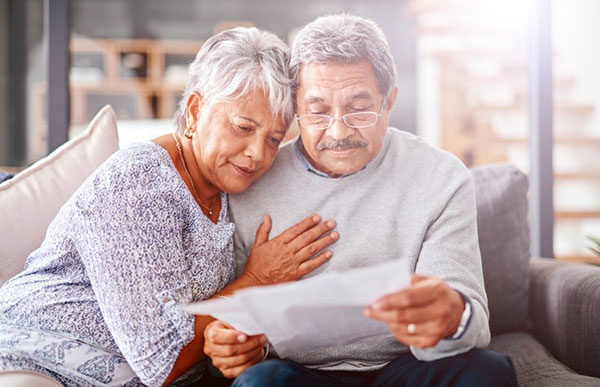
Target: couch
point(543, 313)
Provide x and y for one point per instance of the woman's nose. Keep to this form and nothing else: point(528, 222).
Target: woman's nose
point(256, 148)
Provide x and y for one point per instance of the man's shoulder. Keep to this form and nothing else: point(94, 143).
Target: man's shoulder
point(409, 153)
point(414, 150)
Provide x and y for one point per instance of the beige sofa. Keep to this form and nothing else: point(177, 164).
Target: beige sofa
point(31, 199)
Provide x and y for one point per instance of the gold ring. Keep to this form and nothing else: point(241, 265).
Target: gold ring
point(411, 328)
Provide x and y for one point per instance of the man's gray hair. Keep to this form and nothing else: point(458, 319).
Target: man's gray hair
point(344, 38)
point(234, 62)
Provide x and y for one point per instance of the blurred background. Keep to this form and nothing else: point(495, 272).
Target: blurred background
point(464, 78)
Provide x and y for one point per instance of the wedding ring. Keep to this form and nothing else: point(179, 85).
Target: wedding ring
point(411, 328)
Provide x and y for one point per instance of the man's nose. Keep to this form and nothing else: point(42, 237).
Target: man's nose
point(339, 130)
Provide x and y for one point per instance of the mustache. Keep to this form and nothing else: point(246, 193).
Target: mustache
point(343, 144)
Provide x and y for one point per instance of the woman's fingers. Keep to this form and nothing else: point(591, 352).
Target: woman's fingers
point(262, 233)
point(310, 265)
point(308, 237)
point(232, 350)
point(297, 229)
point(316, 246)
point(278, 260)
point(236, 360)
point(235, 371)
point(220, 334)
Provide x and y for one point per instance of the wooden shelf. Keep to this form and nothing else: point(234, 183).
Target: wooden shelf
point(577, 214)
point(579, 141)
point(132, 75)
point(567, 109)
point(577, 175)
point(587, 259)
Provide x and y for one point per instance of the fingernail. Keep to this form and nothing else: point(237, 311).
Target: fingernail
point(333, 235)
point(376, 306)
point(316, 218)
point(241, 338)
point(328, 254)
point(331, 223)
point(263, 340)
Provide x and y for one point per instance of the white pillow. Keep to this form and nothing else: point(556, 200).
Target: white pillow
point(30, 200)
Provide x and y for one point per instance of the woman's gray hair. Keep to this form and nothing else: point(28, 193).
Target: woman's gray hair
point(232, 63)
point(344, 38)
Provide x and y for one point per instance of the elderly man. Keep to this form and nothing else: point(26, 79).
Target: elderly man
point(393, 196)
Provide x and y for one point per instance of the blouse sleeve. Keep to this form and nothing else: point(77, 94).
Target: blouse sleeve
point(130, 241)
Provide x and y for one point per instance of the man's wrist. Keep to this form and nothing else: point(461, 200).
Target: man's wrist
point(464, 318)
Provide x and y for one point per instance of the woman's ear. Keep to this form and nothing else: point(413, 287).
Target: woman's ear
point(193, 109)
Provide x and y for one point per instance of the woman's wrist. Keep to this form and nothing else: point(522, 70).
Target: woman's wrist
point(250, 279)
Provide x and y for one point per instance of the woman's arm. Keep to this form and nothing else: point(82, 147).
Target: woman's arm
point(286, 257)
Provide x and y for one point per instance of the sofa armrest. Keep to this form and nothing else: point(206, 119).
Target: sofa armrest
point(564, 307)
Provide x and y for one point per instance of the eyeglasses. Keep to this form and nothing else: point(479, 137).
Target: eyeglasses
point(357, 120)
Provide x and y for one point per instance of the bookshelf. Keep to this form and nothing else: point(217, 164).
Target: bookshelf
point(482, 97)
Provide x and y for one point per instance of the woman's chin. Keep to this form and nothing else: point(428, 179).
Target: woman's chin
point(233, 187)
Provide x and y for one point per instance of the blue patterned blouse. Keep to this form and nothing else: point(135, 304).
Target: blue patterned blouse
point(127, 248)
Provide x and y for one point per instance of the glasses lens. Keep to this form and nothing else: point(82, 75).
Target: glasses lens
point(315, 121)
point(360, 120)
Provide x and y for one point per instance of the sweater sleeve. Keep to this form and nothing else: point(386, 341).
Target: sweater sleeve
point(450, 251)
point(130, 241)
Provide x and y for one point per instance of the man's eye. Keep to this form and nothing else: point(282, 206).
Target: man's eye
point(243, 128)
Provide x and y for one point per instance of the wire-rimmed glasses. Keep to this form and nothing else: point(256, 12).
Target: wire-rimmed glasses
point(358, 120)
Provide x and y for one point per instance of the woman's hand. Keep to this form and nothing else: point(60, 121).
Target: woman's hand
point(232, 351)
point(290, 255)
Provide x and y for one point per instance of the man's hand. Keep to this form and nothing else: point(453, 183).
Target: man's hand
point(232, 351)
point(422, 314)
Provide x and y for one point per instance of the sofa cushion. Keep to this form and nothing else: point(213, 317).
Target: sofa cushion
point(26, 378)
point(32, 198)
point(501, 195)
point(534, 365)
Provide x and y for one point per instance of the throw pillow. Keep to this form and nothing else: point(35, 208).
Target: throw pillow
point(32, 198)
point(502, 221)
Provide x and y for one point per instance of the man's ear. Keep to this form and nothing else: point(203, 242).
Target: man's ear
point(391, 99)
point(193, 109)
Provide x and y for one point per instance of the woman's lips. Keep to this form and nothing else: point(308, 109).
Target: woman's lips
point(245, 172)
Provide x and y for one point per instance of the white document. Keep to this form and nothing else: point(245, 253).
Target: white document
point(323, 310)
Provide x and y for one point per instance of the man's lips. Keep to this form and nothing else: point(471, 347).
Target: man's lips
point(246, 172)
point(341, 150)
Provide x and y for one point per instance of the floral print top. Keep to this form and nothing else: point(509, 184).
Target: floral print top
point(122, 254)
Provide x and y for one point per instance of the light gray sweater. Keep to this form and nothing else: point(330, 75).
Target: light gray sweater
point(412, 201)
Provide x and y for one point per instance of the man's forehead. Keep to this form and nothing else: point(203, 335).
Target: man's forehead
point(354, 80)
point(316, 97)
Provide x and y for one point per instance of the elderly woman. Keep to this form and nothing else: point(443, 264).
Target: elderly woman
point(98, 302)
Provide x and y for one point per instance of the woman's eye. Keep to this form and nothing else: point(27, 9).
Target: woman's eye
point(243, 128)
point(274, 141)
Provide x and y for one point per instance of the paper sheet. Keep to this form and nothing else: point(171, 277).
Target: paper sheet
point(319, 311)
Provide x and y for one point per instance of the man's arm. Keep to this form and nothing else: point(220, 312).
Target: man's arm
point(428, 313)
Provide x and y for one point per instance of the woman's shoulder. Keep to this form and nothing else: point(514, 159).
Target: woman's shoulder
point(140, 169)
point(142, 160)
